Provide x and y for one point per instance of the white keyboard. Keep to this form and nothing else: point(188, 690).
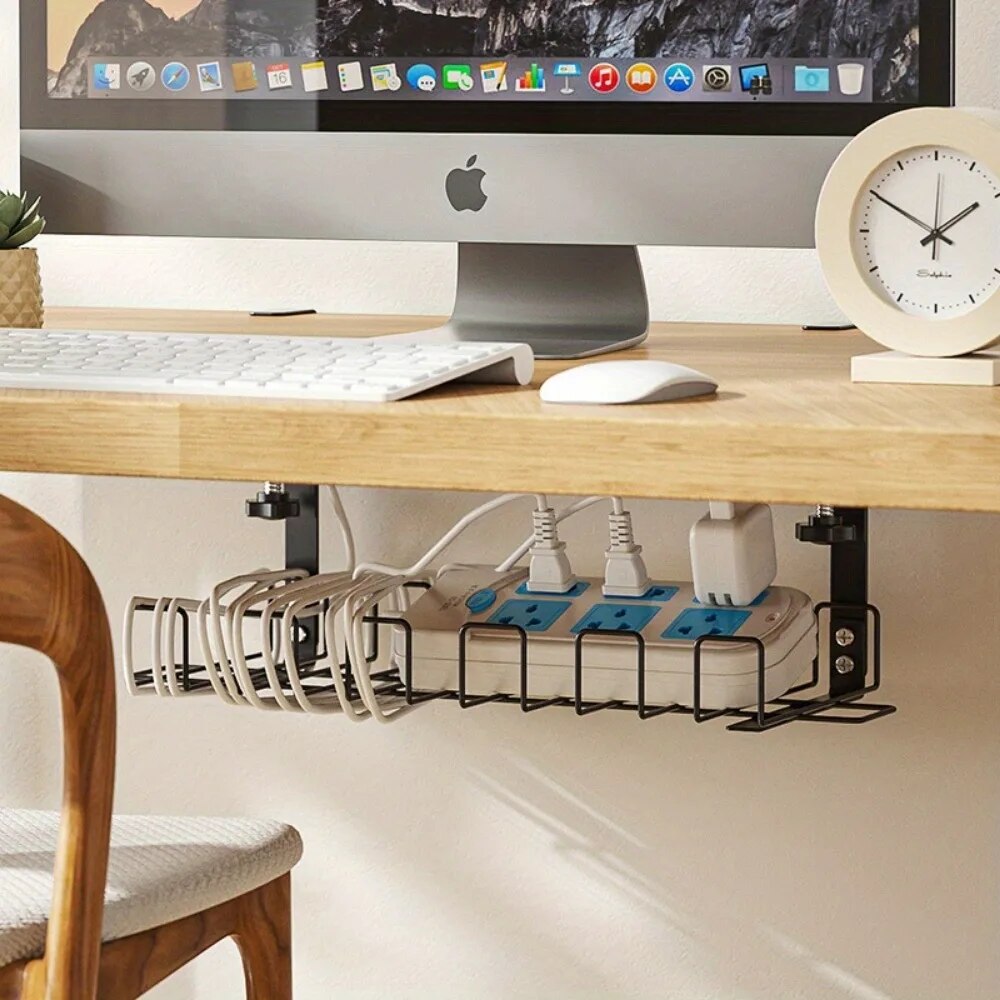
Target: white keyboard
point(318, 368)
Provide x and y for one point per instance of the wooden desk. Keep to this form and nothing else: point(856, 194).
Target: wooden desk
point(787, 427)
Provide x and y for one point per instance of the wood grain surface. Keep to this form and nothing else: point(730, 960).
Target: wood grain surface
point(787, 426)
point(49, 602)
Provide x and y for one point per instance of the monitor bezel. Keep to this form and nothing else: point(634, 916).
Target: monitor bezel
point(38, 111)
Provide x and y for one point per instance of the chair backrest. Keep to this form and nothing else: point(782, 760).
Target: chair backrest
point(49, 602)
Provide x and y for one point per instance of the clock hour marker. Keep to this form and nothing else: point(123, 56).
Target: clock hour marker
point(973, 167)
point(899, 163)
point(873, 270)
point(901, 297)
point(972, 299)
point(865, 232)
point(937, 154)
point(935, 309)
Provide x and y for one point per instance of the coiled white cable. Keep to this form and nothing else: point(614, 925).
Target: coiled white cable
point(176, 607)
point(301, 602)
point(215, 651)
point(269, 597)
point(372, 589)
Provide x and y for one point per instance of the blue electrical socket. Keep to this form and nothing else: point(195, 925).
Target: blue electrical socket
point(662, 592)
point(616, 618)
point(696, 622)
point(532, 616)
point(577, 590)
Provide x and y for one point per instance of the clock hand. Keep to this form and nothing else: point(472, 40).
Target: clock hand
point(941, 230)
point(912, 218)
point(935, 247)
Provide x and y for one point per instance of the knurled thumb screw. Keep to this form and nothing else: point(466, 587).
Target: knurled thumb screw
point(273, 504)
point(826, 527)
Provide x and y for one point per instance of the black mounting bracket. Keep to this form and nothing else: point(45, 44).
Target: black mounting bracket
point(848, 640)
point(302, 530)
point(298, 508)
point(845, 531)
point(302, 552)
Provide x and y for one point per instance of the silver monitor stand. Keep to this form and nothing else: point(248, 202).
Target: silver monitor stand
point(564, 301)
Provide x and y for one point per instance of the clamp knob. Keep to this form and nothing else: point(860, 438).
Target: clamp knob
point(826, 528)
point(273, 504)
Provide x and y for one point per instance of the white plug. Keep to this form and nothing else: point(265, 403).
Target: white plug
point(549, 571)
point(625, 572)
point(733, 560)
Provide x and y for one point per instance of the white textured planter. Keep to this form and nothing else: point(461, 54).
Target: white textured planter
point(20, 289)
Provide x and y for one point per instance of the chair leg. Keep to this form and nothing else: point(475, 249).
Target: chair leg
point(264, 937)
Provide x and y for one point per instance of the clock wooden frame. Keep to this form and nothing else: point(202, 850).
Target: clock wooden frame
point(971, 131)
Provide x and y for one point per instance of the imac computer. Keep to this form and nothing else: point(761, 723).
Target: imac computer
point(547, 138)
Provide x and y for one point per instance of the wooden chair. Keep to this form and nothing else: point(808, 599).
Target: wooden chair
point(75, 925)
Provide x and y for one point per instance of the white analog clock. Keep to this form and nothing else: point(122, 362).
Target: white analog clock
point(908, 230)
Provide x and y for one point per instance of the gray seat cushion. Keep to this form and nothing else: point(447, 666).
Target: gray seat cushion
point(161, 869)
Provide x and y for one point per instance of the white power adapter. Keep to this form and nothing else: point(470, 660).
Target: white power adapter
point(733, 559)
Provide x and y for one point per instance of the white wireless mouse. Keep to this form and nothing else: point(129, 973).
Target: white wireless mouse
point(614, 382)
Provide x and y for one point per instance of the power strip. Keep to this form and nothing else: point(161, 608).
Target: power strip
point(668, 617)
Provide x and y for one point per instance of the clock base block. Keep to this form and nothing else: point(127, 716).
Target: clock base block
point(982, 368)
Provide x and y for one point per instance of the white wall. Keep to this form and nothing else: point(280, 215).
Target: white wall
point(490, 855)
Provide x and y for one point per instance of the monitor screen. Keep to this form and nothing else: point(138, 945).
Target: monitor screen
point(334, 64)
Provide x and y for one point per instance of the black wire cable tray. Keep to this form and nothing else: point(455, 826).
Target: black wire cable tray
point(847, 708)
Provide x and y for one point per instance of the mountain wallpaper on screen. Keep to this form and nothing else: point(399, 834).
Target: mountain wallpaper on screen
point(885, 30)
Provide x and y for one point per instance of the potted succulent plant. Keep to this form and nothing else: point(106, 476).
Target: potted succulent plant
point(20, 279)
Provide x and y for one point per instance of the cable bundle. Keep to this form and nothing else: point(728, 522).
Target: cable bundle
point(249, 628)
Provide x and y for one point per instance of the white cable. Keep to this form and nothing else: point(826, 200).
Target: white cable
point(235, 625)
point(300, 600)
point(156, 652)
point(176, 606)
point(541, 503)
point(345, 528)
point(335, 644)
point(307, 606)
point(128, 653)
point(574, 508)
point(345, 630)
point(374, 590)
point(232, 622)
point(213, 641)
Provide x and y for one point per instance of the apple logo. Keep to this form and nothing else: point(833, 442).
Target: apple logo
point(465, 187)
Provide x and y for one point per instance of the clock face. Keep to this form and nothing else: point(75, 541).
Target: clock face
point(926, 231)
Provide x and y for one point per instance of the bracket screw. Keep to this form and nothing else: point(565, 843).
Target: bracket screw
point(844, 637)
point(844, 664)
